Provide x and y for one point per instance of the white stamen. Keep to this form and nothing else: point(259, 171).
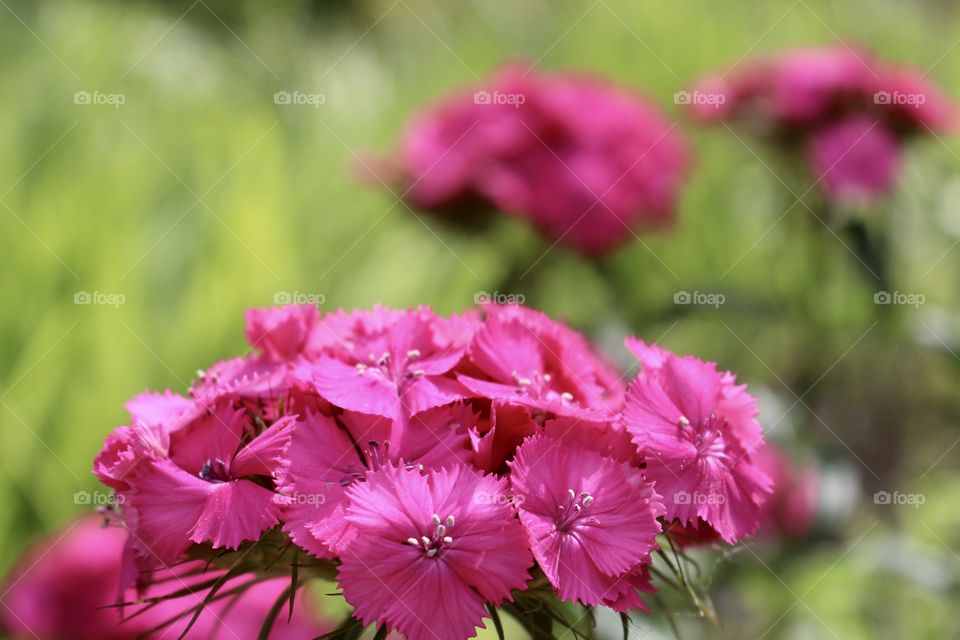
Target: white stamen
point(684, 422)
point(450, 521)
point(576, 508)
point(413, 353)
point(436, 519)
point(447, 539)
point(441, 530)
point(573, 495)
point(566, 395)
point(524, 382)
point(413, 541)
point(588, 501)
point(419, 373)
point(547, 377)
point(426, 541)
point(431, 553)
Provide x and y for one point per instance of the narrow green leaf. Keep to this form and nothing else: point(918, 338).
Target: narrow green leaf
point(274, 612)
point(294, 570)
point(498, 625)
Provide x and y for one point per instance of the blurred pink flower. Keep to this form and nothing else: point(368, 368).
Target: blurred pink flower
point(846, 110)
point(431, 549)
point(584, 161)
point(856, 159)
point(792, 509)
point(64, 586)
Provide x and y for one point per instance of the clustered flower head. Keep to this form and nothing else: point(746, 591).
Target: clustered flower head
point(438, 464)
point(845, 112)
point(583, 161)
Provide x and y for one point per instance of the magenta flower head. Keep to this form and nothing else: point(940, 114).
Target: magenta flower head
point(431, 549)
point(591, 520)
point(845, 113)
point(432, 466)
point(582, 160)
point(697, 432)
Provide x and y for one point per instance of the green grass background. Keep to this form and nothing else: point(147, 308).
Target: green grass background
point(200, 197)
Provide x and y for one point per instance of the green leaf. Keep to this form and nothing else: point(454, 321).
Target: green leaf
point(274, 612)
point(349, 629)
point(498, 625)
point(294, 570)
point(222, 580)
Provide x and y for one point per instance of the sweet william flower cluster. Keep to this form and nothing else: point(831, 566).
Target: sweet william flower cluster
point(439, 466)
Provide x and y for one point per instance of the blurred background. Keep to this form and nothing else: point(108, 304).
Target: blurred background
point(137, 226)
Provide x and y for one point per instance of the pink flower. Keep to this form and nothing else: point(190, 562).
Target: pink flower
point(697, 433)
point(792, 509)
point(63, 586)
point(209, 487)
point(281, 333)
point(582, 160)
point(322, 461)
point(591, 520)
point(154, 409)
point(389, 364)
point(430, 550)
point(125, 449)
point(855, 160)
point(524, 358)
point(847, 111)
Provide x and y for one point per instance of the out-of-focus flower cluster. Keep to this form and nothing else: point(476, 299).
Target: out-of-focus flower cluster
point(582, 160)
point(68, 586)
point(439, 464)
point(845, 112)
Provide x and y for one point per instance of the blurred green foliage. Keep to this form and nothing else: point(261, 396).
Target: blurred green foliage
point(199, 197)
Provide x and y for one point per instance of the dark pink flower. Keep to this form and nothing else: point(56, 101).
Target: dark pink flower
point(792, 509)
point(209, 487)
point(855, 160)
point(698, 439)
point(591, 520)
point(63, 587)
point(430, 550)
point(326, 456)
point(527, 359)
point(393, 364)
point(847, 111)
point(584, 161)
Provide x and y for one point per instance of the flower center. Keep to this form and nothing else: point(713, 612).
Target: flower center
point(395, 369)
point(214, 470)
point(708, 438)
point(573, 509)
point(539, 385)
point(433, 544)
